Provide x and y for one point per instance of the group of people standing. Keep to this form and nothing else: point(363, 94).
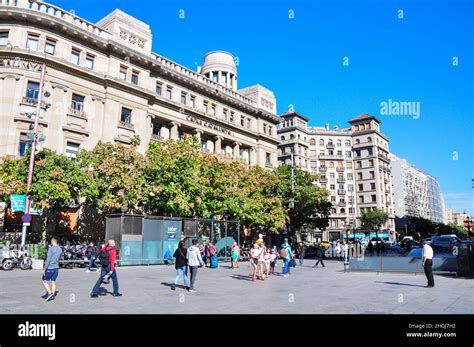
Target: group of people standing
point(263, 259)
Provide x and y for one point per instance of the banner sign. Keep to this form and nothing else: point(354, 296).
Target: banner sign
point(18, 202)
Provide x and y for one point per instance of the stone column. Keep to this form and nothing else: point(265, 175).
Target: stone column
point(236, 150)
point(174, 135)
point(217, 144)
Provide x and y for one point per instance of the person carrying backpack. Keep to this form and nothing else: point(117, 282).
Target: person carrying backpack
point(107, 257)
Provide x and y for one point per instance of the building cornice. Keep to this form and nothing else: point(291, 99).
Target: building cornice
point(63, 22)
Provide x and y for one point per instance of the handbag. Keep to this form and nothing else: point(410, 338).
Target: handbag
point(283, 253)
point(292, 263)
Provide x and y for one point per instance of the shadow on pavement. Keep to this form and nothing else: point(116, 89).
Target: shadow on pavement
point(171, 284)
point(242, 277)
point(402, 284)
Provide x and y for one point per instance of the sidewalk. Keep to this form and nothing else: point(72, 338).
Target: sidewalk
point(307, 290)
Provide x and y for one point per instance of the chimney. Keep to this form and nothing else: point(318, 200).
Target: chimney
point(327, 126)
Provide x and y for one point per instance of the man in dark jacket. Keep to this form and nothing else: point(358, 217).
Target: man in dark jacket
point(92, 253)
point(319, 255)
point(108, 255)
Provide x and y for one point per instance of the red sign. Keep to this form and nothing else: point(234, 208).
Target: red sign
point(26, 218)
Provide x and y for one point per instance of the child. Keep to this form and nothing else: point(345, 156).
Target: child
point(273, 258)
point(267, 258)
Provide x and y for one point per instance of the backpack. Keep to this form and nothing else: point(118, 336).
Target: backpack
point(104, 257)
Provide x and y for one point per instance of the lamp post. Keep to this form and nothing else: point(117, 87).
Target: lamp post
point(32, 153)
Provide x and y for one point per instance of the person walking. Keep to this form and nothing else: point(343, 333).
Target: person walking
point(427, 262)
point(181, 265)
point(286, 255)
point(319, 256)
point(273, 259)
point(234, 256)
point(51, 270)
point(92, 253)
point(213, 262)
point(107, 257)
point(370, 246)
point(338, 250)
point(255, 253)
point(345, 252)
point(302, 251)
point(194, 262)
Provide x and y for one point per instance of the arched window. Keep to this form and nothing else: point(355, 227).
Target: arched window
point(357, 141)
point(333, 210)
point(330, 142)
point(338, 143)
point(343, 210)
point(331, 164)
point(369, 139)
point(321, 142)
point(292, 136)
point(348, 143)
point(312, 142)
point(283, 138)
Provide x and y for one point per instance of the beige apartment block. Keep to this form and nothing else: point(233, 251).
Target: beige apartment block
point(107, 84)
point(352, 164)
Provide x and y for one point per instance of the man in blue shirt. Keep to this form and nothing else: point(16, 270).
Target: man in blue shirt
point(51, 269)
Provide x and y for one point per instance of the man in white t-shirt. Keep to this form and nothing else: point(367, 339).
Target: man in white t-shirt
point(427, 262)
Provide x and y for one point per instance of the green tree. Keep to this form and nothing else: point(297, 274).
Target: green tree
point(311, 207)
point(374, 218)
point(118, 173)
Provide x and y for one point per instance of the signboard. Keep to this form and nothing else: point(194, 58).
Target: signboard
point(18, 202)
point(26, 218)
point(3, 207)
point(171, 231)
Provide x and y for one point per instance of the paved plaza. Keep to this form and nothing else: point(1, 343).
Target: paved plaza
point(319, 290)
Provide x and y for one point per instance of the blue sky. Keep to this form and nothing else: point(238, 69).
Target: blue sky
point(301, 60)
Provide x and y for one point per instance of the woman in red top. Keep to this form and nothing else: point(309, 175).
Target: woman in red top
point(107, 258)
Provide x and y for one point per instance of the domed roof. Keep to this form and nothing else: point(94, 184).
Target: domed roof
point(219, 61)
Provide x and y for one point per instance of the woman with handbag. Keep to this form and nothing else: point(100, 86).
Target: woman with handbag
point(286, 255)
point(234, 256)
point(181, 265)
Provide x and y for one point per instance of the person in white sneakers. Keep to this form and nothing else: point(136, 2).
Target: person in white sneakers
point(194, 262)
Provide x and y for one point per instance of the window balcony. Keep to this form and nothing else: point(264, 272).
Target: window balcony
point(126, 125)
point(341, 192)
point(30, 101)
point(323, 180)
point(323, 169)
point(341, 180)
point(341, 204)
point(77, 112)
point(340, 169)
point(330, 146)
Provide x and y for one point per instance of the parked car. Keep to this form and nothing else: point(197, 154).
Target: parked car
point(427, 240)
point(444, 242)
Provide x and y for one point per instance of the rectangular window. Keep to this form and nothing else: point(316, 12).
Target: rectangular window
point(349, 164)
point(242, 121)
point(24, 144)
point(89, 63)
point(359, 175)
point(333, 198)
point(193, 102)
point(224, 114)
point(75, 54)
point(359, 165)
point(169, 93)
point(123, 72)
point(49, 46)
point(249, 123)
point(332, 186)
point(158, 88)
point(135, 77)
point(3, 38)
point(231, 118)
point(126, 116)
point(215, 76)
point(77, 103)
point(183, 98)
point(268, 159)
point(32, 90)
point(357, 153)
point(270, 130)
point(32, 42)
point(369, 151)
point(372, 174)
point(206, 107)
point(264, 128)
point(71, 150)
point(371, 163)
point(213, 109)
point(360, 187)
point(374, 198)
point(361, 199)
point(348, 154)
